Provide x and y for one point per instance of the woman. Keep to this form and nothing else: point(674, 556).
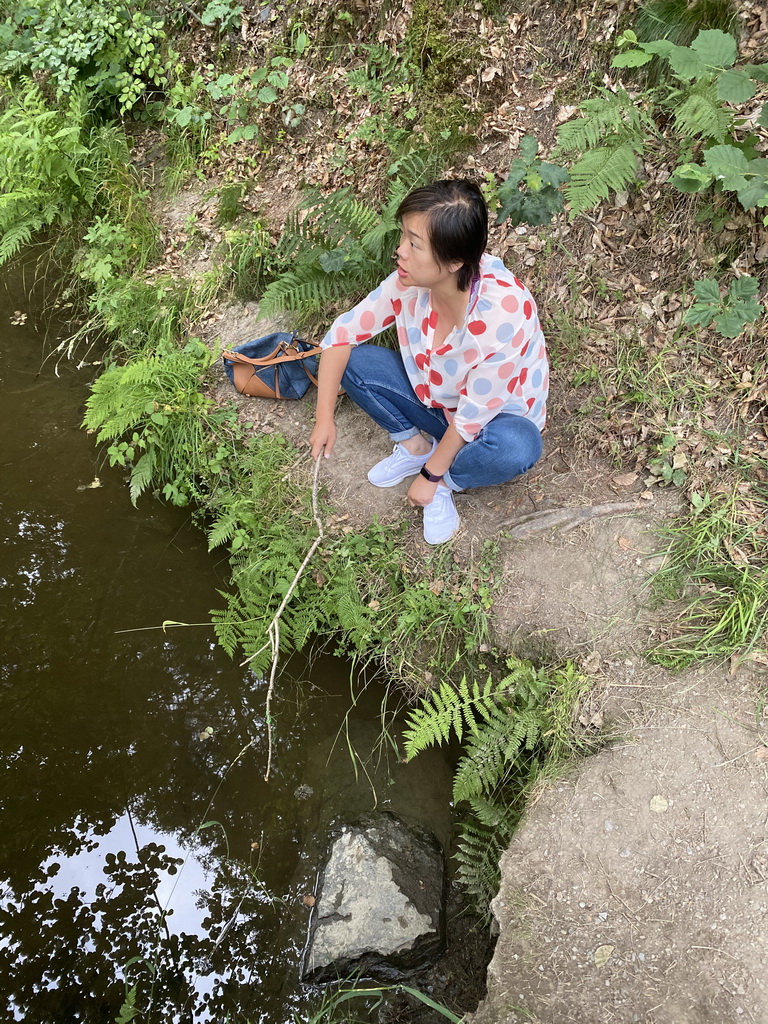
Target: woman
point(471, 373)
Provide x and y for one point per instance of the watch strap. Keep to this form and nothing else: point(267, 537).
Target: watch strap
point(432, 477)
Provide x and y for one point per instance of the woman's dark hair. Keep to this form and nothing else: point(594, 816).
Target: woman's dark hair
point(457, 222)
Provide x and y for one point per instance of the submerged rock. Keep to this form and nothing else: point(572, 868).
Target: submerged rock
point(380, 903)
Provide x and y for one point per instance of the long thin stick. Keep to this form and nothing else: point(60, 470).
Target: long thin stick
point(273, 631)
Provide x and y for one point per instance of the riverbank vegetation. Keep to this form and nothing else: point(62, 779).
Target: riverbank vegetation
point(298, 128)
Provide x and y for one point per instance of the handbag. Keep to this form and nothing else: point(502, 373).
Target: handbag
point(280, 365)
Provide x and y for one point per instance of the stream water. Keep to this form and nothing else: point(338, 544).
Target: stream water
point(140, 845)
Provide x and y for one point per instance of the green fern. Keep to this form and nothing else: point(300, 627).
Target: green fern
point(448, 710)
point(702, 115)
point(598, 173)
point(337, 248)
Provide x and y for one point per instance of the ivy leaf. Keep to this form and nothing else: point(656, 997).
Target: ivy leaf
point(735, 87)
point(715, 48)
point(631, 59)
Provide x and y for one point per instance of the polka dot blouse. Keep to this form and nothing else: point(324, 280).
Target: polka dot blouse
point(496, 361)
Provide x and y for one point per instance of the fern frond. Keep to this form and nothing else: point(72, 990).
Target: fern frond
point(610, 115)
point(141, 475)
point(702, 115)
point(447, 710)
point(599, 172)
point(478, 854)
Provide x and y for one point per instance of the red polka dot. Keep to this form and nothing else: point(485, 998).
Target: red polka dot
point(433, 319)
point(510, 303)
point(495, 403)
point(362, 337)
point(412, 307)
point(504, 284)
point(524, 375)
point(367, 320)
point(471, 355)
point(506, 370)
point(518, 339)
point(527, 309)
point(542, 352)
point(472, 428)
point(524, 349)
point(402, 336)
point(424, 325)
point(422, 392)
point(512, 385)
point(435, 377)
point(477, 327)
point(388, 320)
point(529, 402)
point(463, 391)
point(342, 336)
point(443, 349)
point(519, 283)
point(397, 306)
point(422, 360)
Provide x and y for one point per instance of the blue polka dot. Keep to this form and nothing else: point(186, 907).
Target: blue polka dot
point(496, 264)
point(468, 410)
point(505, 332)
point(496, 357)
point(481, 386)
point(483, 305)
point(450, 366)
point(375, 293)
point(414, 335)
point(346, 317)
point(424, 300)
point(536, 378)
point(410, 366)
point(536, 408)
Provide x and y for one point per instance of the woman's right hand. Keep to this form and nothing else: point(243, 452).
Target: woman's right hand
point(323, 437)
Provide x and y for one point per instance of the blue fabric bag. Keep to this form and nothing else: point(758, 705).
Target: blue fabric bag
point(280, 365)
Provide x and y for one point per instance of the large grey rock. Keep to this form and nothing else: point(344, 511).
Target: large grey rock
point(380, 904)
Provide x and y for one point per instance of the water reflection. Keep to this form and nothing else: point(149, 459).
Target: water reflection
point(141, 846)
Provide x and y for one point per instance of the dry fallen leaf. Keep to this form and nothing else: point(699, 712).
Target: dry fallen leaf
point(762, 753)
point(624, 544)
point(625, 479)
point(308, 900)
point(658, 804)
point(603, 955)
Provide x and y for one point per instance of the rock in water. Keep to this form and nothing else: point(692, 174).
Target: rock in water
point(380, 905)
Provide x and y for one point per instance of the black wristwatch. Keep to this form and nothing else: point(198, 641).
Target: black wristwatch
point(432, 477)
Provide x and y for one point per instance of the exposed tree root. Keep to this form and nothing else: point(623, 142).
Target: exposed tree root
point(563, 519)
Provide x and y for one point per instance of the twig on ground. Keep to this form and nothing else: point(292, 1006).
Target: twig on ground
point(564, 519)
point(273, 631)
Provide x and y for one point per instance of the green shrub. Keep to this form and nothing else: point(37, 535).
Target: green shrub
point(113, 49)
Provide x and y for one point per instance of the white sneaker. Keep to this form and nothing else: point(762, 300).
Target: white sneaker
point(441, 520)
point(398, 466)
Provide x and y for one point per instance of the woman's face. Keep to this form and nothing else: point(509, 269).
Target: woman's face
point(416, 264)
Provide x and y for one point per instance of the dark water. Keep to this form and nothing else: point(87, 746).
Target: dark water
point(140, 846)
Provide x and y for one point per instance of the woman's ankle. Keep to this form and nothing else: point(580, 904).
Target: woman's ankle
point(417, 445)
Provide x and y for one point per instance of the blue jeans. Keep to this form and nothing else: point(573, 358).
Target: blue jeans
point(376, 381)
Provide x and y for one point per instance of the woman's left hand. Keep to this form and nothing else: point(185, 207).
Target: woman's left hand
point(421, 492)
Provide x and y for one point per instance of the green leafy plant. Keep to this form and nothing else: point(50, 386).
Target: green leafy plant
point(513, 730)
point(336, 248)
point(227, 14)
point(539, 199)
point(113, 50)
point(610, 135)
point(730, 313)
point(668, 465)
point(154, 413)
